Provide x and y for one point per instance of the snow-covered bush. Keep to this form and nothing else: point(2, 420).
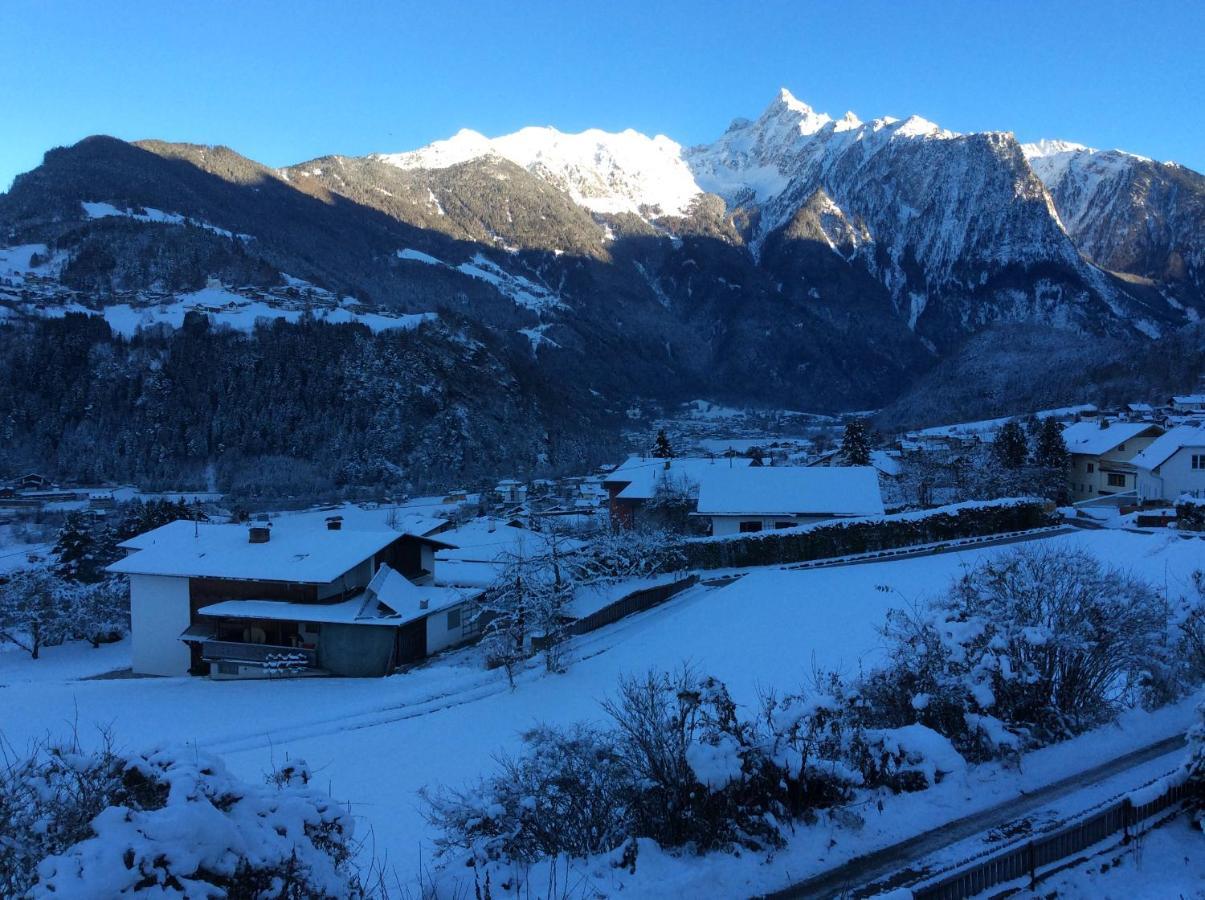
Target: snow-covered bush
point(627, 553)
point(1192, 631)
point(103, 824)
point(101, 611)
point(564, 794)
point(1028, 647)
point(1194, 768)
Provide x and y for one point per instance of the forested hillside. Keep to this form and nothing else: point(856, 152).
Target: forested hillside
point(287, 409)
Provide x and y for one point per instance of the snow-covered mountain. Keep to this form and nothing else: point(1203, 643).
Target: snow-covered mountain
point(1128, 213)
point(800, 260)
point(945, 221)
point(602, 171)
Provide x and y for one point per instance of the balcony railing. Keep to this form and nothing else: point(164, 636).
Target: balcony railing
point(262, 654)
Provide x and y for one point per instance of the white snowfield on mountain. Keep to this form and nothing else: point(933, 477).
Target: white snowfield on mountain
point(614, 172)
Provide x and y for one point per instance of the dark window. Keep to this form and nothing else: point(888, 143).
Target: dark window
point(453, 619)
point(784, 524)
point(1091, 468)
point(1116, 479)
point(750, 526)
point(1198, 460)
point(1121, 446)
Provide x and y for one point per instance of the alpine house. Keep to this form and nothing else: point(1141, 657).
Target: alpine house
point(233, 601)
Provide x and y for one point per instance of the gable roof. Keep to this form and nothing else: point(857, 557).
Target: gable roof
point(643, 475)
point(1089, 438)
point(792, 490)
point(306, 555)
point(1168, 445)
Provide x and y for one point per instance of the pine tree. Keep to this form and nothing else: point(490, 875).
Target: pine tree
point(1051, 450)
point(855, 444)
point(77, 549)
point(1010, 449)
point(661, 447)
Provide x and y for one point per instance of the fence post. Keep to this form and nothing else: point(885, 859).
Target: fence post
point(1031, 860)
point(1127, 819)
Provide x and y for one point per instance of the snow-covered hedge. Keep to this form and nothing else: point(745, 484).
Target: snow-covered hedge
point(823, 540)
point(1190, 514)
point(166, 823)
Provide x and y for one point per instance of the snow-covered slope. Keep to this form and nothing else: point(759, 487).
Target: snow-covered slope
point(1128, 213)
point(604, 172)
point(950, 225)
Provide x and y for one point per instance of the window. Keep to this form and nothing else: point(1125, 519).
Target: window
point(784, 524)
point(1117, 479)
point(1121, 446)
point(453, 619)
point(750, 526)
point(1198, 460)
point(1091, 468)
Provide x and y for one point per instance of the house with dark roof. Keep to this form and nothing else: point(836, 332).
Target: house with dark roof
point(237, 601)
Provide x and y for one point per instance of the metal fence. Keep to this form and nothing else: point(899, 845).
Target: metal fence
point(1026, 859)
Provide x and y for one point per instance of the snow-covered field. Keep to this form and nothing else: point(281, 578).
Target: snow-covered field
point(1165, 863)
point(378, 742)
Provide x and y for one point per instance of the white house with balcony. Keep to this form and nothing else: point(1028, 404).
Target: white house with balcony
point(1102, 454)
point(237, 601)
point(1172, 466)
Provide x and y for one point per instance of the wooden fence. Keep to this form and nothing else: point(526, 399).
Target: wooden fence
point(1025, 860)
point(637, 601)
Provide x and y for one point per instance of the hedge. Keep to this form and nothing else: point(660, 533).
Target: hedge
point(1190, 514)
point(823, 540)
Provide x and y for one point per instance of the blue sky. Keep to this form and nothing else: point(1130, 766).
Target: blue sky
point(285, 82)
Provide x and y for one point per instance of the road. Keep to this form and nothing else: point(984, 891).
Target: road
point(873, 867)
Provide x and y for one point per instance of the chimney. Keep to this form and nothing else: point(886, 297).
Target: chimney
point(259, 534)
point(334, 523)
point(1104, 423)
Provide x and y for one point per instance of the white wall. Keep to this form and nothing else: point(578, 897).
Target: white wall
point(1174, 478)
point(721, 525)
point(439, 636)
point(158, 614)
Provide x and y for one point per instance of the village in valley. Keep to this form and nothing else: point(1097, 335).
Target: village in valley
point(440, 630)
point(641, 451)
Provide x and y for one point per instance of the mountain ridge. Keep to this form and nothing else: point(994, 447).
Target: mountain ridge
point(798, 261)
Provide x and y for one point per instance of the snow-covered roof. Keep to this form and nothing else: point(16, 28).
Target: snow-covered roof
point(1189, 399)
point(643, 475)
point(1089, 438)
point(389, 599)
point(346, 612)
point(408, 600)
point(1168, 445)
point(487, 539)
point(201, 550)
point(792, 490)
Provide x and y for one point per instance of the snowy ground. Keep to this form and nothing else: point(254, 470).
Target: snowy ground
point(1165, 863)
point(378, 742)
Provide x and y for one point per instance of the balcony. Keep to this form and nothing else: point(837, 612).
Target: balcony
point(267, 655)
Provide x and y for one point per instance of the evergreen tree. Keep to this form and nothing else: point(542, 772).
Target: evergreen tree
point(1010, 449)
point(1051, 450)
point(78, 549)
point(661, 447)
point(855, 444)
